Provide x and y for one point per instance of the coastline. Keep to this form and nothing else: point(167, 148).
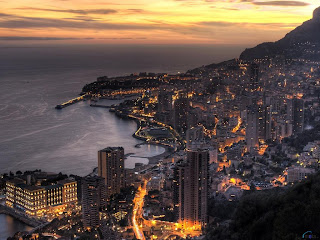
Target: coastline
point(21, 217)
point(151, 160)
point(154, 159)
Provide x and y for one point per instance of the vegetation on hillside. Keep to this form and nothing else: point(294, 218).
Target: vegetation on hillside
point(275, 214)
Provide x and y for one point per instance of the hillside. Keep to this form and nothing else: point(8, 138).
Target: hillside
point(303, 42)
point(275, 214)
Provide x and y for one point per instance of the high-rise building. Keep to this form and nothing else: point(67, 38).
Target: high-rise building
point(295, 114)
point(254, 77)
point(296, 108)
point(111, 168)
point(181, 110)
point(194, 135)
point(93, 200)
point(192, 188)
point(252, 128)
point(164, 101)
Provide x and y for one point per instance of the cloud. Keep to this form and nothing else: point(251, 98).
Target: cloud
point(20, 38)
point(5, 15)
point(76, 11)
point(246, 24)
point(282, 3)
point(14, 21)
point(136, 10)
point(83, 18)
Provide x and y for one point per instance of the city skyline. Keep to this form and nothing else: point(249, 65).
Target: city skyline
point(144, 22)
point(239, 139)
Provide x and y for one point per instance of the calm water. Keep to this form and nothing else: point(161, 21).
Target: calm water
point(9, 226)
point(33, 135)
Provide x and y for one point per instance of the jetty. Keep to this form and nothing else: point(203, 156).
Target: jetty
point(72, 101)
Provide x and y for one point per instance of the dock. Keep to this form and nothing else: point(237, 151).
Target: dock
point(100, 106)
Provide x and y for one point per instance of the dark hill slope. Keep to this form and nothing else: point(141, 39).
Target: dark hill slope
point(275, 214)
point(302, 42)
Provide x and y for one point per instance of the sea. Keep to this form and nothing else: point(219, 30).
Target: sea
point(35, 78)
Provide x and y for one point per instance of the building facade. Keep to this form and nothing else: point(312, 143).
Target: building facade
point(93, 200)
point(192, 189)
point(111, 168)
point(38, 200)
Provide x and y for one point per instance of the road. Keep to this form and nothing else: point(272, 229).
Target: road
point(167, 228)
point(137, 210)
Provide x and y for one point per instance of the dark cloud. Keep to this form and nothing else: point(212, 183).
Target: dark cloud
point(19, 38)
point(136, 10)
point(245, 24)
point(5, 15)
point(124, 38)
point(282, 3)
point(76, 11)
point(22, 38)
point(13, 21)
point(83, 18)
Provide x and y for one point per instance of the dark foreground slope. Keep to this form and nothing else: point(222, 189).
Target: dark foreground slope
point(275, 214)
point(302, 42)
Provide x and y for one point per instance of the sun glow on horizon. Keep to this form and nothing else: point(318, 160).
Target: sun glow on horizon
point(159, 22)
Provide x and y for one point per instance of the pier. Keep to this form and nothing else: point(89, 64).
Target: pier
point(72, 101)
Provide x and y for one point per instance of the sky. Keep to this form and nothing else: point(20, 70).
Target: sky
point(244, 22)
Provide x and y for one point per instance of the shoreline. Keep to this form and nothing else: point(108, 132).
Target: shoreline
point(21, 217)
point(153, 159)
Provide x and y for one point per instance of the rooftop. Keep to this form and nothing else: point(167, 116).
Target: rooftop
point(112, 149)
point(30, 188)
point(66, 181)
point(53, 186)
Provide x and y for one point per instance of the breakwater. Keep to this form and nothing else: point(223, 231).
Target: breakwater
point(73, 101)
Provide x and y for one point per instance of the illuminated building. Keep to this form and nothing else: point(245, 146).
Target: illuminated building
point(195, 134)
point(254, 77)
point(54, 194)
point(252, 128)
point(37, 200)
point(295, 114)
point(191, 188)
point(181, 110)
point(164, 101)
point(93, 199)
point(69, 190)
point(296, 174)
point(111, 168)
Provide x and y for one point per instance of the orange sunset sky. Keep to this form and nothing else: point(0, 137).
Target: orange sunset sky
point(151, 21)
